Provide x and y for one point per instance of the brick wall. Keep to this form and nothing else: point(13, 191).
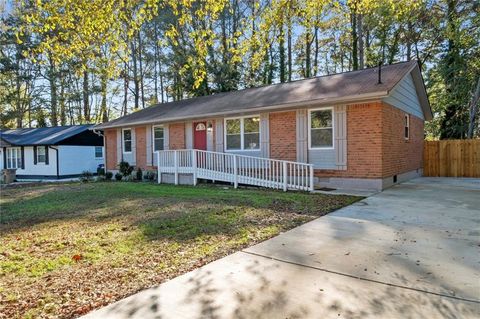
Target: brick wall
point(141, 146)
point(400, 155)
point(376, 147)
point(283, 141)
point(364, 143)
point(176, 133)
point(111, 148)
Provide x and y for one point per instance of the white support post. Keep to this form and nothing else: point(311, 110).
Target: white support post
point(285, 176)
point(235, 173)
point(175, 161)
point(311, 177)
point(159, 173)
point(194, 166)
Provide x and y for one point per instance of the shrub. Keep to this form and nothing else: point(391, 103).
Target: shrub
point(108, 176)
point(128, 178)
point(100, 171)
point(150, 176)
point(118, 176)
point(139, 174)
point(86, 177)
point(125, 168)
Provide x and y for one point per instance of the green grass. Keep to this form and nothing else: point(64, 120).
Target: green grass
point(69, 248)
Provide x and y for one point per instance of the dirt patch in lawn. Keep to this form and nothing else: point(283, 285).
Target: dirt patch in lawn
point(70, 248)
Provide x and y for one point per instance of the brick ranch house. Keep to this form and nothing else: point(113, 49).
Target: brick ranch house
point(360, 130)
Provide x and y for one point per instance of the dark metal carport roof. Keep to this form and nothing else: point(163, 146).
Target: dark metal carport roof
point(41, 135)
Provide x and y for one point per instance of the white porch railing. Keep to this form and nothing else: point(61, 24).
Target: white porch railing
point(237, 169)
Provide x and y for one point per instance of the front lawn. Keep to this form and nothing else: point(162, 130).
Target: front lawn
point(69, 248)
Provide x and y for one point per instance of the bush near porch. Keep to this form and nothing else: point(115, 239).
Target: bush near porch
point(70, 248)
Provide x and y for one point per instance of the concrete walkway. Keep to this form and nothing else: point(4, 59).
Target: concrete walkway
point(412, 251)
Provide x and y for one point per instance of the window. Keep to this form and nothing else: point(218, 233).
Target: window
point(158, 138)
point(200, 127)
point(242, 133)
point(321, 128)
point(251, 133)
point(407, 127)
point(41, 154)
point(14, 157)
point(127, 140)
point(234, 133)
point(98, 152)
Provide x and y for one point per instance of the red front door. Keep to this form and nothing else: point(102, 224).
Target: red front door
point(200, 135)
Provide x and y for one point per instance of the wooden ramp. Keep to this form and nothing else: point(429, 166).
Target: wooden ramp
point(233, 168)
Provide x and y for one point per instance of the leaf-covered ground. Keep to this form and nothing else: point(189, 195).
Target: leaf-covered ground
point(69, 248)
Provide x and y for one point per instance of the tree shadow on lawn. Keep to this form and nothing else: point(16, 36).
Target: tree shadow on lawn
point(100, 201)
point(192, 221)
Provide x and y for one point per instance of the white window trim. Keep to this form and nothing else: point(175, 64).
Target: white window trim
point(407, 122)
point(18, 153)
point(123, 140)
point(310, 128)
point(241, 149)
point(45, 149)
point(153, 137)
point(95, 152)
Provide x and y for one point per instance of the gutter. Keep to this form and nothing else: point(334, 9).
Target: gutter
point(356, 98)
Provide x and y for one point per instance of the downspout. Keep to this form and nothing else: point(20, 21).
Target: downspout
point(99, 133)
point(56, 157)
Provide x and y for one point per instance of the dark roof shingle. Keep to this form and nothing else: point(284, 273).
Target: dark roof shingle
point(322, 89)
point(42, 135)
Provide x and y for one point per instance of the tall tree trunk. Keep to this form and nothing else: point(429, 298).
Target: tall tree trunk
point(473, 110)
point(450, 123)
point(103, 108)
point(125, 89)
point(63, 111)
point(308, 53)
point(289, 42)
point(409, 40)
point(367, 45)
point(281, 51)
point(394, 47)
point(361, 51)
point(383, 44)
point(155, 63)
point(224, 79)
point(354, 52)
point(86, 104)
point(18, 87)
point(315, 61)
point(235, 23)
point(136, 83)
point(161, 81)
point(271, 65)
point(140, 63)
point(52, 78)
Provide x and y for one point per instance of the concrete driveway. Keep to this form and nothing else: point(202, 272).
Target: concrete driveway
point(412, 251)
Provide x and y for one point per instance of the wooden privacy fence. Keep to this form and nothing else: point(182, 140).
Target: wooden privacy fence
point(452, 158)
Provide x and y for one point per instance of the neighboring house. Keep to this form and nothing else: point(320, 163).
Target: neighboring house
point(51, 152)
point(361, 129)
